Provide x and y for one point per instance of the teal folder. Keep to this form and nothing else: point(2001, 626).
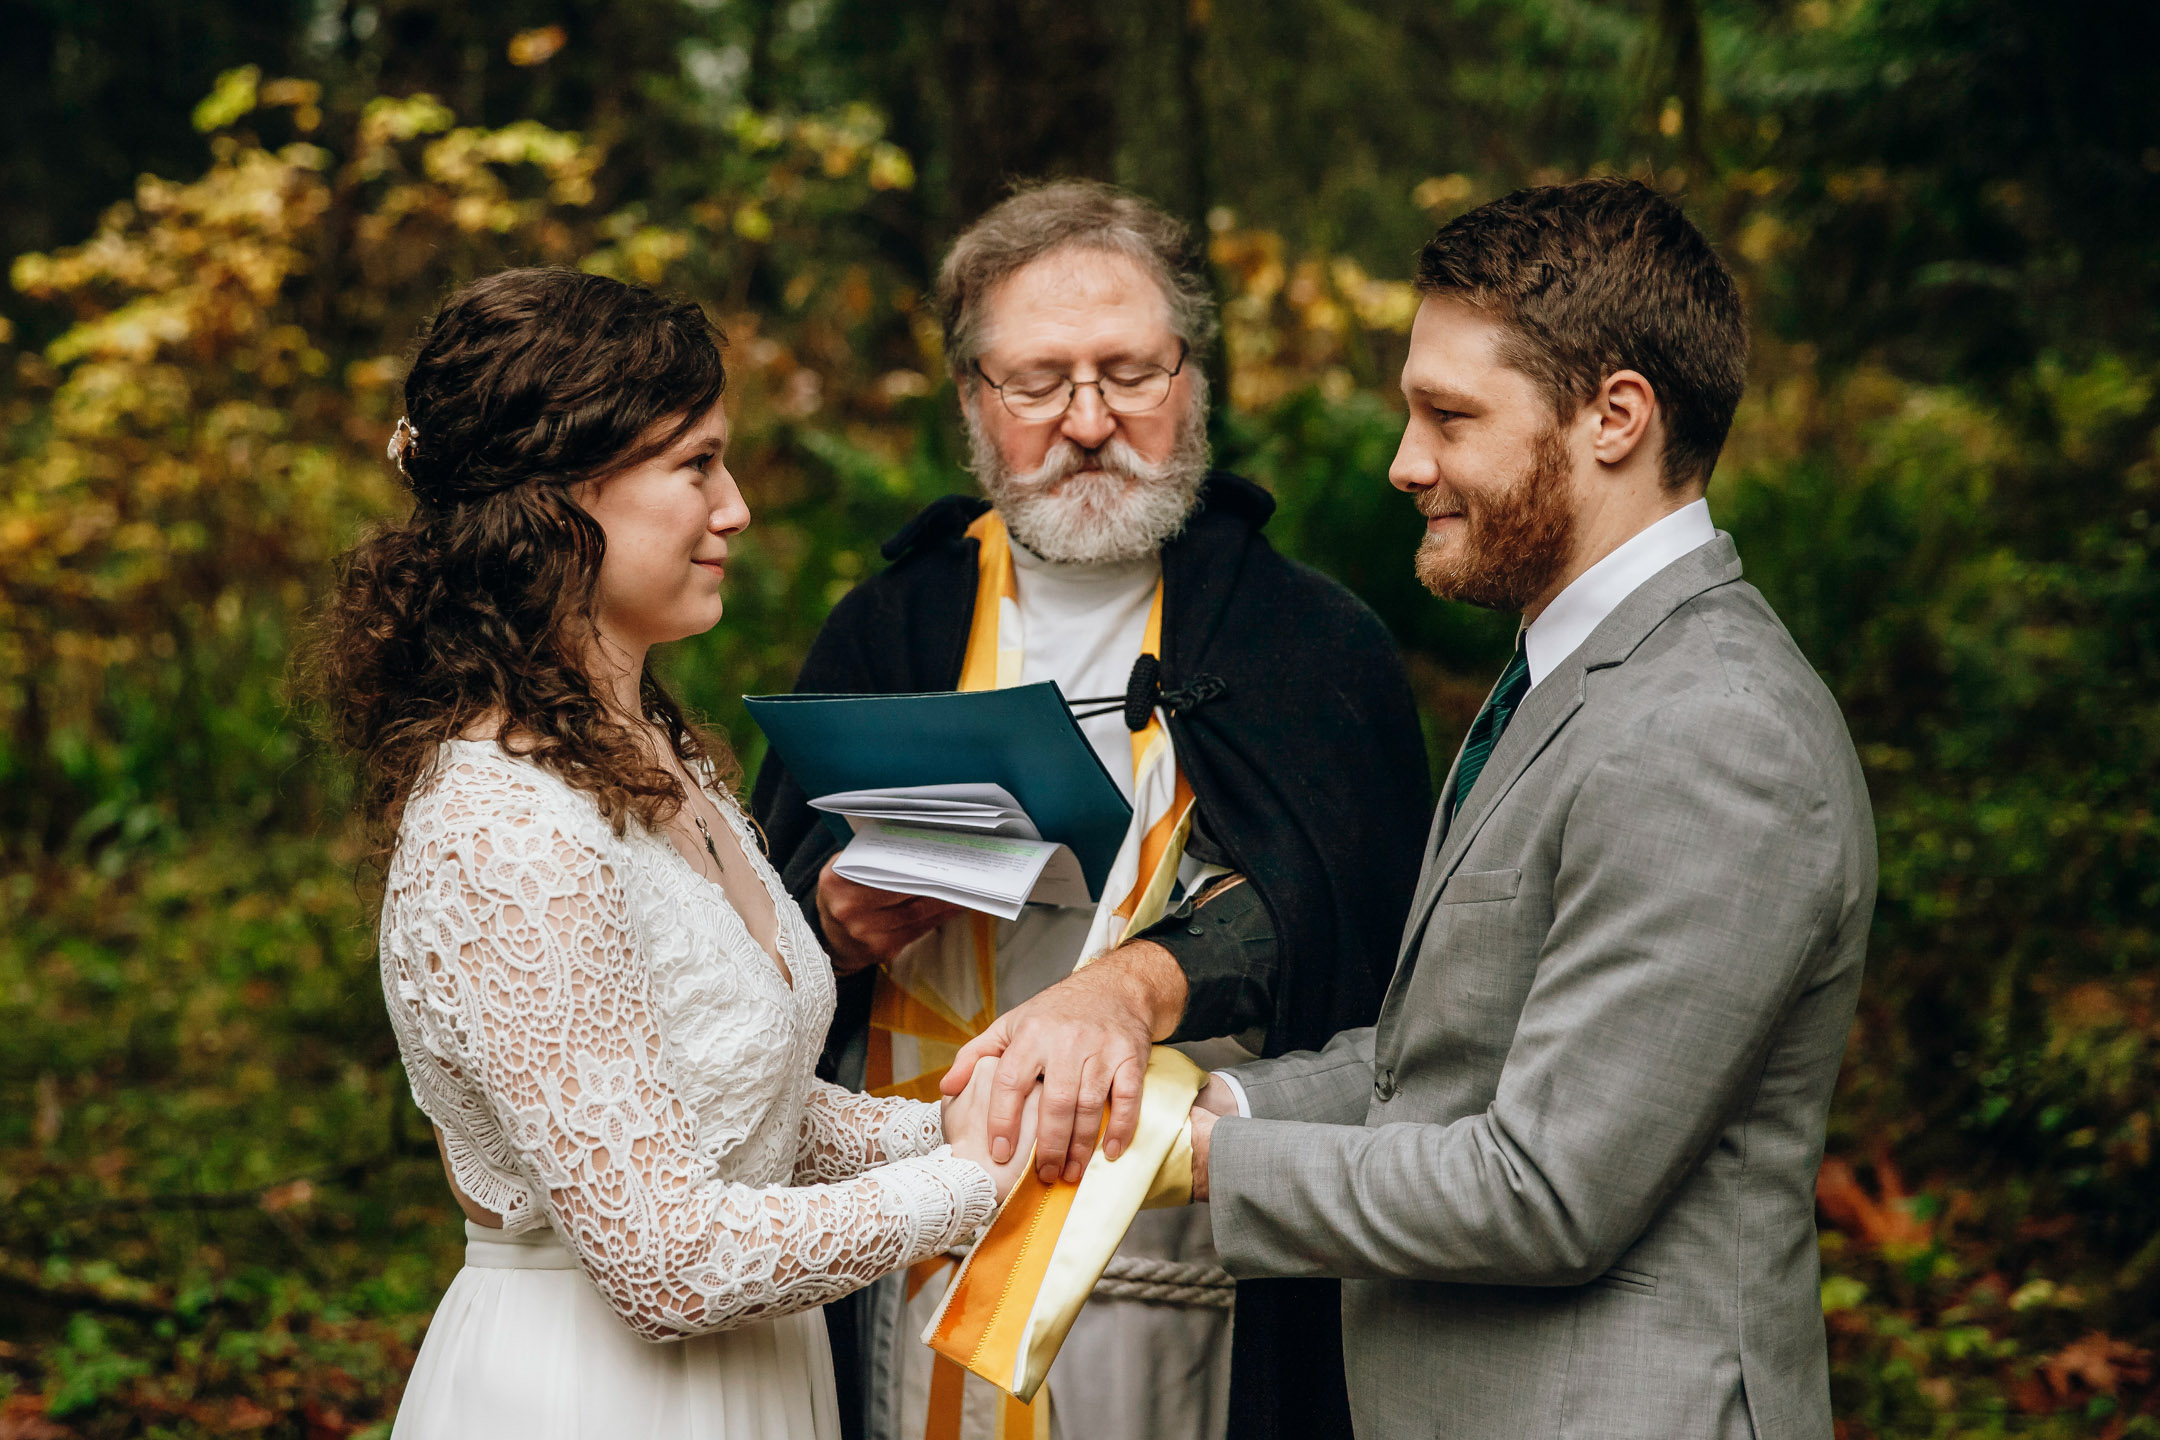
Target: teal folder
point(1023, 738)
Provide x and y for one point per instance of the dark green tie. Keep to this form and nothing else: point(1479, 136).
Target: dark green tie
point(1485, 731)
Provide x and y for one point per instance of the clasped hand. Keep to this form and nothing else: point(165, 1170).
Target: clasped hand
point(967, 1129)
point(1079, 1052)
point(1214, 1101)
point(969, 1126)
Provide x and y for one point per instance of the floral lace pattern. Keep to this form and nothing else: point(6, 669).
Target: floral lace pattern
point(606, 1049)
point(844, 1134)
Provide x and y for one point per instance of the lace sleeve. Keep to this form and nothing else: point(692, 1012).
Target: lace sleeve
point(844, 1133)
point(540, 1001)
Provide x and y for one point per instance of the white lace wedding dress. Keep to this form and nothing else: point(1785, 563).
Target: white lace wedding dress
point(622, 1074)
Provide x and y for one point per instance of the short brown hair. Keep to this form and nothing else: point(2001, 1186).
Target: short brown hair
point(1071, 214)
point(1599, 276)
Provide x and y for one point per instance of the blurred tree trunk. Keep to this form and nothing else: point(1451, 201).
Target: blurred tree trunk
point(1192, 103)
point(93, 95)
point(1680, 35)
point(1031, 92)
point(1200, 176)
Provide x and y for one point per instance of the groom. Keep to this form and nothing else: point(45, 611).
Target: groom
point(1568, 1178)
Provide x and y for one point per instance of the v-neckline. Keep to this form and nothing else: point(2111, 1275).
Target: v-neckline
point(781, 970)
point(784, 972)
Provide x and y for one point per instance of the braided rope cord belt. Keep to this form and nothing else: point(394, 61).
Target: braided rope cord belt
point(1167, 1282)
point(1160, 1282)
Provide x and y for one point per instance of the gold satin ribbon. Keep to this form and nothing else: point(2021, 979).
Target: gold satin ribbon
point(1009, 1309)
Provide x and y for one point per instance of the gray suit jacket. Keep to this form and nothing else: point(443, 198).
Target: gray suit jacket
point(1569, 1177)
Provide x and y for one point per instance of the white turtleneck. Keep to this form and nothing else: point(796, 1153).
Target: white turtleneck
point(1083, 625)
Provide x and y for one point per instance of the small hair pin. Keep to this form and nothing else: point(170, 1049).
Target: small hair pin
point(402, 441)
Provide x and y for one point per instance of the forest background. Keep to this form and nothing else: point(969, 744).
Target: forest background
point(219, 1212)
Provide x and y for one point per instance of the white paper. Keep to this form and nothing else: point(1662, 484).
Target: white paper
point(997, 874)
point(989, 808)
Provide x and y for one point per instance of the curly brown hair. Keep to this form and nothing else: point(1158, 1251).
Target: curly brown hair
point(477, 608)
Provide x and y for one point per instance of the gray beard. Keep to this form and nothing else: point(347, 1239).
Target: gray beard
point(1122, 508)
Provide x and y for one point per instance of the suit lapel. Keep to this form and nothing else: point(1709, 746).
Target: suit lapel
point(1545, 712)
point(1429, 874)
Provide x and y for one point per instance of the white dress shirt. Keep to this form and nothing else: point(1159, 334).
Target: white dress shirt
point(1576, 611)
point(1561, 628)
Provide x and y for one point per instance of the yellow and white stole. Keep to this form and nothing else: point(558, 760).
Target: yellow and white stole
point(1012, 1301)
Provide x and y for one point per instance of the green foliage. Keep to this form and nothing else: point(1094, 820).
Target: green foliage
point(216, 1202)
point(2000, 678)
point(87, 1369)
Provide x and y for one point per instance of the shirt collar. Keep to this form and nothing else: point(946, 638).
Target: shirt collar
point(1560, 630)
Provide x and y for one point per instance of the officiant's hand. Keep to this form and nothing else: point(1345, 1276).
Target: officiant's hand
point(967, 1130)
point(865, 926)
point(1086, 1039)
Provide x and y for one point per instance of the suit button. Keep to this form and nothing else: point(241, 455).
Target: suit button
point(1384, 1088)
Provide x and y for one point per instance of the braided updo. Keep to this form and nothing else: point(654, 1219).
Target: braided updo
point(478, 607)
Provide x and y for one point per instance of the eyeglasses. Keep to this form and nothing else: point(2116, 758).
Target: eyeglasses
point(1127, 388)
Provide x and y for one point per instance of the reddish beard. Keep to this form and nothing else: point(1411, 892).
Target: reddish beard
point(1513, 544)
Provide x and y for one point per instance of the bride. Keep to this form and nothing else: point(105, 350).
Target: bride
point(605, 1002)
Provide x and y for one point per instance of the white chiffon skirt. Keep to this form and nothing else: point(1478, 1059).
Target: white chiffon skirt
point(522, 1347)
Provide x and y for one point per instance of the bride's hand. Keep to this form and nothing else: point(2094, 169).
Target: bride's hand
point(967, 1128)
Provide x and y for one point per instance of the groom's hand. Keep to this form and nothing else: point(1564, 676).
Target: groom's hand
point(1203, 1136)
point(1086, 1039)
point(1216, 1097)
point(1215, 1100)
point(864, 926)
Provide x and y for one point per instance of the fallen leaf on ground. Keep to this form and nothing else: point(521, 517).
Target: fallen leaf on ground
point(1878, 1220)
point(2099, 1362)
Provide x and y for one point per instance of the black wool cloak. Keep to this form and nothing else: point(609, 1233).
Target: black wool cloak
point(1308, 770)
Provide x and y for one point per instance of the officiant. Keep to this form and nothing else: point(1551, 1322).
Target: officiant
point(1255, 713)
